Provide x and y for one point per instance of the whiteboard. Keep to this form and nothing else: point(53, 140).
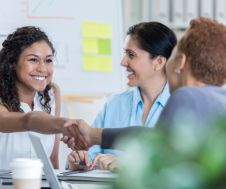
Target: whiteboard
point(63, 21)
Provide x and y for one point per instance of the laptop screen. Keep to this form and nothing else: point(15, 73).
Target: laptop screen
point(48, 168)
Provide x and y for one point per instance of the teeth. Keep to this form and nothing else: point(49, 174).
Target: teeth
point(130, 73)
point(40, 78)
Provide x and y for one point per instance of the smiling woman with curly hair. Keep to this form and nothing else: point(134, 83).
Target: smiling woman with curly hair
point(9, 56)
point(26, 69)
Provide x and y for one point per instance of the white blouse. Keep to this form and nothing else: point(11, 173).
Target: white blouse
point(18, 144)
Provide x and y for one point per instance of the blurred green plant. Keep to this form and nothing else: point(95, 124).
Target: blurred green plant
point(186, 156)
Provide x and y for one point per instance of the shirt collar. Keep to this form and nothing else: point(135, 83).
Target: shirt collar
point(137, 97)
point(26, 108)
point(164, 95)
point(161, 99)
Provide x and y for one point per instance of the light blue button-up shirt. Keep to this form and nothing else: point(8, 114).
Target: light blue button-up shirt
point(126, 109)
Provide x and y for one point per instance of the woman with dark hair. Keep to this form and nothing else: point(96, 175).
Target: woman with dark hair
point(148, 46)
point(196, 73)
point(26, 69)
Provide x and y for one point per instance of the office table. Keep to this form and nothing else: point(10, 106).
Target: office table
point(79, 183)
point(75, 185)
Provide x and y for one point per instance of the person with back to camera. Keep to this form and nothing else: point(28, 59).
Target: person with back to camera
point(26, 69)
point(196, 73)
point(148, 46)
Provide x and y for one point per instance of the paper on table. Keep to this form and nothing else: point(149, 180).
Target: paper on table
point(97, 174)
point(94, 175)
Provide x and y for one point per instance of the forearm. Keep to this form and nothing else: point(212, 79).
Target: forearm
point(43, 123)
point(96, 135)
point(111, 135)
point(12, 122)
point(33, 121)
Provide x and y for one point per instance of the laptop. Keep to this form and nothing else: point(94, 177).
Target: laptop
point(101, 178)
point(48, 168)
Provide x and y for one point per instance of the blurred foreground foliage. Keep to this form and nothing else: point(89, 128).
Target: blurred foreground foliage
point(186, 156)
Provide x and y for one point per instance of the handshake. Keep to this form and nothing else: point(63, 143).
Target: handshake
point(78, 135)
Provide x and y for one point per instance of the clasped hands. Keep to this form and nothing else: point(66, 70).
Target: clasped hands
point(77, 134)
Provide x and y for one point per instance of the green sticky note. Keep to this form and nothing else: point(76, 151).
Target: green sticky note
point(90, 45)
point(104, 46)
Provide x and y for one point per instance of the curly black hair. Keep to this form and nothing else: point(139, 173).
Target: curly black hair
point(12, 47)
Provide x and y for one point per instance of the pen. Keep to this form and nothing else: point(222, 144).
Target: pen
point(90, 167)
point(81, 163)
point(74, 172)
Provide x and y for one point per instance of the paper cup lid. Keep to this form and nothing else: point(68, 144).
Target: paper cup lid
point(25, 162)
point(23, 168)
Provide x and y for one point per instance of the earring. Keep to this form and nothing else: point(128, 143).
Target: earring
point(177, 71)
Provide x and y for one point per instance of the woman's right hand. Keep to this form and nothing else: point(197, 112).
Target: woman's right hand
point(78, 160)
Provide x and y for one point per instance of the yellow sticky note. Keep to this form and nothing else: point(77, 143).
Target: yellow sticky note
point(97, 63)
point(96, 30)
point(90, 45)
point(89, 29)
point(105, 30)
point(105, 63)
point(89, 63)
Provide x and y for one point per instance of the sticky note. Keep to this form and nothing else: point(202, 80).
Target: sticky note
point(90, 45)
point(105, 30)
point(97, 63)
point(89, 29)
point(104, 46)
point(98, 30)
point(96, 46)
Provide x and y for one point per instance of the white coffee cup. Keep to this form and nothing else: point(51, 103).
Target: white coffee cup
point(27, 173)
